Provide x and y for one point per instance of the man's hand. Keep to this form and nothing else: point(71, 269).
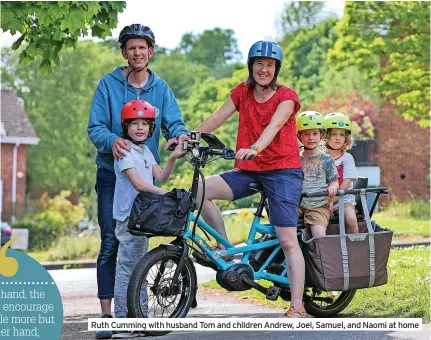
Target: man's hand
point(176, 140)
point(244, 154)
point(120, 147)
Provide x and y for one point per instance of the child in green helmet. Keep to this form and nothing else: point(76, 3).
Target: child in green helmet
point(319, 170)
point(338, 141)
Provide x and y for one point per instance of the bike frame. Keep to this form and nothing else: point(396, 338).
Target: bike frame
point(251, 245)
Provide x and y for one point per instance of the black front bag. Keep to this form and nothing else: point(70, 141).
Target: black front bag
point(160, 215)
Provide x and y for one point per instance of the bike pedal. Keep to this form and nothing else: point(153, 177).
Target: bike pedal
point(273, 293)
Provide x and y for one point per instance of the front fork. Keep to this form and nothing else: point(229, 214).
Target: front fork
point(178, 245)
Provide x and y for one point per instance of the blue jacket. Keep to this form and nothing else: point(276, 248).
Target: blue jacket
point(113, 91)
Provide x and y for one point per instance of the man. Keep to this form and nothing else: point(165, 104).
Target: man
point(135, 81)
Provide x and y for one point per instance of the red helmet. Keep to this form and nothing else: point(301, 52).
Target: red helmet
point(136, 109)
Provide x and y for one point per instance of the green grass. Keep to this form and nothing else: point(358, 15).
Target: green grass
point(406, 294)
point(408, 228)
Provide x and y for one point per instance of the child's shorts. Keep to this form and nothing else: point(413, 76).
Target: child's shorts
point(315, 216)
point(346, 206)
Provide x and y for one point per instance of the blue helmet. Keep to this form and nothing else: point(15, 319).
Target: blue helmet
point(265, 49)
point(136, 31)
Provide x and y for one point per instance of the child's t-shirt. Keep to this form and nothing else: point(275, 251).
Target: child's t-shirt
point(140, 158)
point(318, 170)
point(346, 169)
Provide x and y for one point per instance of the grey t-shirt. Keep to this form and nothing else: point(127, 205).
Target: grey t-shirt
point(346, 169)
point(142, 160)
point(318, 170)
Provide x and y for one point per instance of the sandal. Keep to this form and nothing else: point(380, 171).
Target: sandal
point(293, 312)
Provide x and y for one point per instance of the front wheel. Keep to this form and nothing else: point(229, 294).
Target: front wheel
point(151, 292)
point(326, 304)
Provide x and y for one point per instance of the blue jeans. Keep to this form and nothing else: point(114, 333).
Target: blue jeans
point(107, 259)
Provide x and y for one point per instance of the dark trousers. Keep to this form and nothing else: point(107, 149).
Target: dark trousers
point(107, 259)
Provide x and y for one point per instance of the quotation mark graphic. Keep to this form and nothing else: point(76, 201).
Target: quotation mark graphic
point(8, 265)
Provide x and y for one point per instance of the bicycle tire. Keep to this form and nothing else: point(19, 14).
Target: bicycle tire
point(339, 304)
point(140, 275)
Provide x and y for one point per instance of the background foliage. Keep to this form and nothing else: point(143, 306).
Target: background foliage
point(377, 52)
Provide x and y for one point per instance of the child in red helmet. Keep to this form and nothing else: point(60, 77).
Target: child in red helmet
point(134, 172)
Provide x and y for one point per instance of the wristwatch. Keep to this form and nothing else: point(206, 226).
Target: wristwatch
point(255, 147)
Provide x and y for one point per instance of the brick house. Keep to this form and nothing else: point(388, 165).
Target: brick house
point(16, 132)
point(398, 158)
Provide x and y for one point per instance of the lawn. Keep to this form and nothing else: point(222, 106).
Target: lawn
point(406, 294)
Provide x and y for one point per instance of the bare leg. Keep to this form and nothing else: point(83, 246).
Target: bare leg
point(318, 230)
point(351, 221)
point(106, 306)
point(215, 189)
point(295, 263)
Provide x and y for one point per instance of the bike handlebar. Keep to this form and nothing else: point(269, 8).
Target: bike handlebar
point(226, 153)
point(345, 192)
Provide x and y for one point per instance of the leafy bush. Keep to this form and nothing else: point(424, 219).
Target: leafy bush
point(59, 210)
point(414, 208)
point(58, 217)
point(420, 209)
point(74, 248)
point(42, 233)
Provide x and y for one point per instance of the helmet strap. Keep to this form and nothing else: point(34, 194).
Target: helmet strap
point(305, 148)
point(134, 69)
point(331, 148)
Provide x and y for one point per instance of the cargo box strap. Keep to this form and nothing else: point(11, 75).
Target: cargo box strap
point(344, 254)
point(370, 238)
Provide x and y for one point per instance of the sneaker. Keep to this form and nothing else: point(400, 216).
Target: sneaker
point(126, 334)
point(194, 303)
point(293, 312)
point(102, 334)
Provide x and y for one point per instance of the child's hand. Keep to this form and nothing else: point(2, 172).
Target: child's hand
point(178, 152)
point(332, 191)
point(331, 208)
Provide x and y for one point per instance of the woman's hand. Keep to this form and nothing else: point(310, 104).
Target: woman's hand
point(245, 154)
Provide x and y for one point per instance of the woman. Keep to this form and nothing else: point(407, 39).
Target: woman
point(267, 133)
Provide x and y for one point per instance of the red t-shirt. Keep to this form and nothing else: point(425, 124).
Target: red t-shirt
point(254, 117)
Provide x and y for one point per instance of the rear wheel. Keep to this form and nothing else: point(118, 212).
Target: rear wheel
point(326, 304)
point(151, 292)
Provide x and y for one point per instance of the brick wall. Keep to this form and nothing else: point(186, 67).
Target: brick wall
point(404, 155)
point(6, 176)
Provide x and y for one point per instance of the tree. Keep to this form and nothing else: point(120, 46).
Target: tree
point(58, 107)
point(181, 75)
point(211, 48)
point(361, 110)
point(300, 14)
point(305, 56)
point(49, 27)
point(397, 35)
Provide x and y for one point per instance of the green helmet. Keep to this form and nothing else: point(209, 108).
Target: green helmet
point(308, 120)
point(337, 120)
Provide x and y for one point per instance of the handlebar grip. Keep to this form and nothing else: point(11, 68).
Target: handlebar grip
point(346, 192)
point(230, 154)
point(172, 147)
